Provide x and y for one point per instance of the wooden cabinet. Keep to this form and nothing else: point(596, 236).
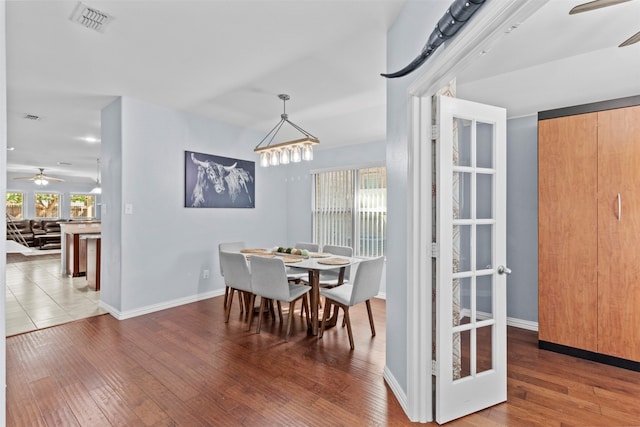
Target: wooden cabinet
point(589, 233)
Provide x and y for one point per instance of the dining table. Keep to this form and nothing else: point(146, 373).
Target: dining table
point(314, 263)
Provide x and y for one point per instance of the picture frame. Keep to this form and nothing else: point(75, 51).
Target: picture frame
point(213, 181)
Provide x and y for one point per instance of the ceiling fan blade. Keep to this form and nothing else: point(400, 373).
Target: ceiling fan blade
point(40, 175)
point(631, 40)
point(593, 5)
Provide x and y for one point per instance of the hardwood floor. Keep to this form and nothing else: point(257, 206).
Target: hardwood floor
point(185, 366)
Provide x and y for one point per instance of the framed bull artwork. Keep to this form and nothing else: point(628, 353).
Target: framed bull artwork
point(218, 182)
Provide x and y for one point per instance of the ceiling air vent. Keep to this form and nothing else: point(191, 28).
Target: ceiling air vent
point(31, 117)
point(90, 17)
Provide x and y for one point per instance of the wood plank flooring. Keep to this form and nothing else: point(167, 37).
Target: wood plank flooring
point(185, 366)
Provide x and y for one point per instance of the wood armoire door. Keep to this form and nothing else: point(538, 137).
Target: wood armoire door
point(567, 231)
point(619, 233)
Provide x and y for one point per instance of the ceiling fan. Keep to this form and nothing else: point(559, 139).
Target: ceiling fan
point(597, 4)
point(39, 178)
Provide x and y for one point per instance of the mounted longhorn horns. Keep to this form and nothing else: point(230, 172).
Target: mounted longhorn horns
point(456, 16)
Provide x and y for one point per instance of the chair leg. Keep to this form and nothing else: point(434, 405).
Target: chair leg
point(226, 295)
point(252, 299)
point(240, 302)
point(279, 310)
point(325, 314)
point(262, 299)
point(292, 305)
point(228, 307)
point(373, 328)
point(348, 320)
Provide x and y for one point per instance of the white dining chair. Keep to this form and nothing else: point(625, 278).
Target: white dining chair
point(366, 285)
point(229, 247)
point(237, 277)
point(331, 278)
point(295, 274)
point(269, 282)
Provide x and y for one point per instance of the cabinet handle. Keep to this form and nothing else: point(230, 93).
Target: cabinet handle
point(619, 207)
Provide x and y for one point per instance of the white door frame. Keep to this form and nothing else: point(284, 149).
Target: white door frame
point(482, 32)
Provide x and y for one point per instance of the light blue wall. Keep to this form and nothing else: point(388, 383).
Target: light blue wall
point(164, 247)
point(404, 41)
point(3, 187)
point(522, 218)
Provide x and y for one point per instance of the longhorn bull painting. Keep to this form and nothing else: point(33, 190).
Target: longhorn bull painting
point(218, 182)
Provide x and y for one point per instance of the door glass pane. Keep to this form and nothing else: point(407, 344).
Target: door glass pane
point(484, 297)
point(484, 196)
point(484, 349)
point(461, 248)
point(464, 308)
point(462, 150)
point(484, 144)
point(484, 246)
point(461, 195)
point(462, 364)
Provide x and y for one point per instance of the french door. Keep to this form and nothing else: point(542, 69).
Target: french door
point(471, 363)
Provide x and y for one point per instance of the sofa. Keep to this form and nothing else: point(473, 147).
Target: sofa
point(30, 228)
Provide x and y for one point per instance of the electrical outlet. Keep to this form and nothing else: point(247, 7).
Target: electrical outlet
point(205, 274)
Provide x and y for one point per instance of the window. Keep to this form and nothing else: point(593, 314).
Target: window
point(350, 209)
point(83, 206)
point(15, 205)
point(47, 205)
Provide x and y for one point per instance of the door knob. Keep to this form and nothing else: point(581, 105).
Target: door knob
point(503, 270)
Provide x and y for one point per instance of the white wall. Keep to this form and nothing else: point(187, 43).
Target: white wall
point(156, 255)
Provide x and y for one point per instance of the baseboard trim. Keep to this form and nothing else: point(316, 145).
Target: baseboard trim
point(590, 355)
point(122, 315)
point(397, 391)
point(522, 324)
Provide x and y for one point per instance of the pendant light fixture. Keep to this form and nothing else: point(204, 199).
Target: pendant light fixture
point(285, 152)
point(98, 188)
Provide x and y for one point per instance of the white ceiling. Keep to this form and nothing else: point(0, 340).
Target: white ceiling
point(228, 60)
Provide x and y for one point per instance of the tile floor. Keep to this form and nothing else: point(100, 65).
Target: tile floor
point(38, 296)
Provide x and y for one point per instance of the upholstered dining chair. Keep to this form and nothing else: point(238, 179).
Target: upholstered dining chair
point(331, 278)
point(237, 277)
point(296, 274)
point(269, 282)
point(229, 247)
point(366, 285)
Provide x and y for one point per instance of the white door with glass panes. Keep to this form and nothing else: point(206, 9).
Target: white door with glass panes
point(471, 347)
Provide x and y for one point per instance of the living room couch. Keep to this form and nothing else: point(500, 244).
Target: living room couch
point(30, 228)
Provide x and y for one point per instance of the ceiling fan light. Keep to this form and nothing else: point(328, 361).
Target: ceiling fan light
point(41, 181)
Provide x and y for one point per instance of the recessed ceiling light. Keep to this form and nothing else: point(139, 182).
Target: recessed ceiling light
point(11, 148)
point(64, 163)
point(31, 116)
point(91, 139)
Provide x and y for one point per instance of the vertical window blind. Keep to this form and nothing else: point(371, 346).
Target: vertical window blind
point(350, 209)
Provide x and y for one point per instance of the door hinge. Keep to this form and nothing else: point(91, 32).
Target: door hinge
point(435, 250)
point(434, 367)
point(434, 132)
